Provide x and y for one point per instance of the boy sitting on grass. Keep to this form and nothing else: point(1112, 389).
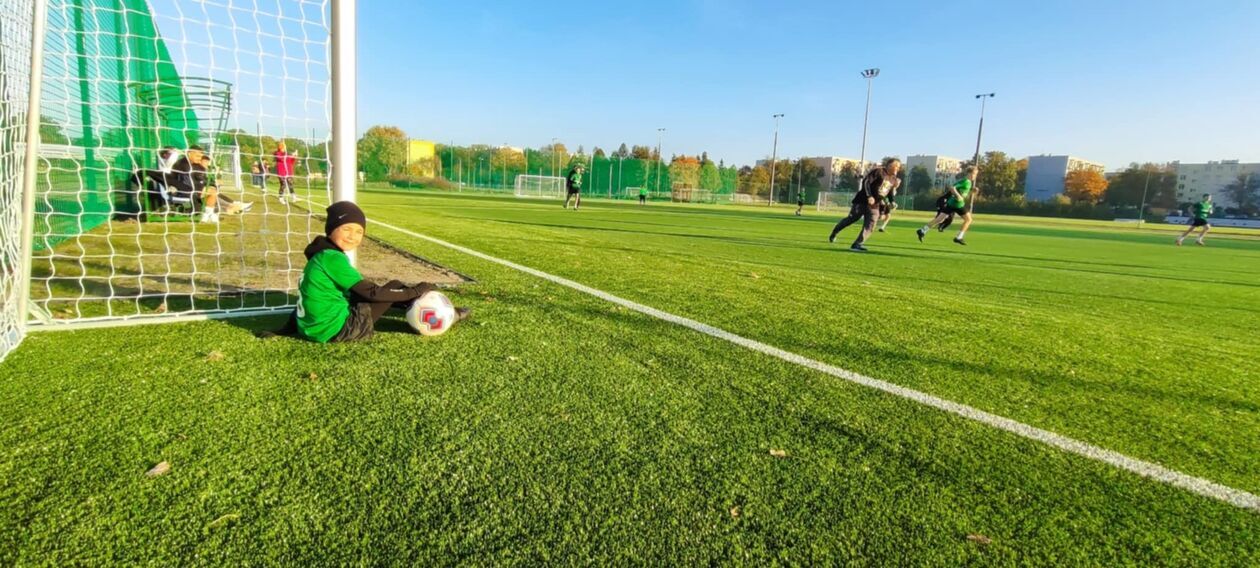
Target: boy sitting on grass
point(335, 303)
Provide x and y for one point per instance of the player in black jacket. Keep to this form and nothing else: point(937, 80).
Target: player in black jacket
point(877, 186)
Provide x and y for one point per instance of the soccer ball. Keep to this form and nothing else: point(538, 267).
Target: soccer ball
point(431, 314)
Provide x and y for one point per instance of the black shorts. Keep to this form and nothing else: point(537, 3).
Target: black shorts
point(574, 191)
point(800, 203)
point(358, 327)
point(885, 208)
point(943, 207)
point(1198, 222)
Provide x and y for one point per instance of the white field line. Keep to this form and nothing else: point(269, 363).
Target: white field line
point(1204, 487)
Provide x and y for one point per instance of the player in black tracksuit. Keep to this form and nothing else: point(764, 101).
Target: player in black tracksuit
point(878, 184)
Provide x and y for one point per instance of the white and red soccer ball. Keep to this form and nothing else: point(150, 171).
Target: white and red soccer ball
point(431, 314)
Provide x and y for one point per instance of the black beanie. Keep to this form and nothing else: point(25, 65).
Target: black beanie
point(343, 212)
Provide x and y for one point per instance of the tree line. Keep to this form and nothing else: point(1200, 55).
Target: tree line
point(382, 154)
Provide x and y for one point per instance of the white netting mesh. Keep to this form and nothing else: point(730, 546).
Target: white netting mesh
point(539, 186)
point(835, 200)
point(14, 96)
point(15, 71)
point(127, 221)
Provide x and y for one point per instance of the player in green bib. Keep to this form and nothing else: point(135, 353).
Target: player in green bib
point(642, 196)
point(573, 186)
point(335, 303)
point(954, 203)
point(1202, 211)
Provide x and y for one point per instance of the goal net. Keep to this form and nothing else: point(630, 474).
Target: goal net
point(15, 83)
point(185, 147)
point(834, 200)
point(539, 186)
point(691, 195)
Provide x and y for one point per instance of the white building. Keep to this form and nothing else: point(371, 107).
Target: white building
point(1194, 180)
point(831, 167)
point(943, 169)
point(1047, 174)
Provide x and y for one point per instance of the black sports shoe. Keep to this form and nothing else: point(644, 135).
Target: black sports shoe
point(881, 229)
point(960, 241)
point(857, 248)
point(921, 233)
point(832, 238)
point(462, 314)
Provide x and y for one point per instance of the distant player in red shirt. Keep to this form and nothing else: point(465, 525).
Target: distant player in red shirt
point(285, 166)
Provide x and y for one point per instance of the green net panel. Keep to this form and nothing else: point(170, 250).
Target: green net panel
point(112, 96)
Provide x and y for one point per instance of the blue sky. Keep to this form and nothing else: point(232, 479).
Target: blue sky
point(1110, 81)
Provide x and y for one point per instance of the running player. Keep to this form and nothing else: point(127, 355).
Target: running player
point(1202, 210)
point(800, 201)
point(875, 188)
point(888, 206)
point(955, 203)
point(573, 186)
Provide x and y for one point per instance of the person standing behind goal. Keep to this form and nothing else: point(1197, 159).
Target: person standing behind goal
point(285, 164)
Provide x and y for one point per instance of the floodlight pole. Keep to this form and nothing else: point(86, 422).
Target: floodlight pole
point(30, 161)
point(870, 75)
point(774, 156)
point(1142, 207)
point(660, 134)
point(345, 76)
point(555, 159)
point(984, 97)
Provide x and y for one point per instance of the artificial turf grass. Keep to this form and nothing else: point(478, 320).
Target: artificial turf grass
point(557, 427)
point(1139, 346)
point(612, 437)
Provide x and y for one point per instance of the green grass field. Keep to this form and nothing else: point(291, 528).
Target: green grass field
point(556, 427)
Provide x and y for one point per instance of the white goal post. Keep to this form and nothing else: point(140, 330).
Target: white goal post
point(540, 186)
point(21, 43)
point(127, 223)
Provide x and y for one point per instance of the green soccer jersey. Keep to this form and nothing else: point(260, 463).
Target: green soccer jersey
point(964, 189)
point(643, 192)
point(575, 180)
point(324, 295)
point(1202, 210)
